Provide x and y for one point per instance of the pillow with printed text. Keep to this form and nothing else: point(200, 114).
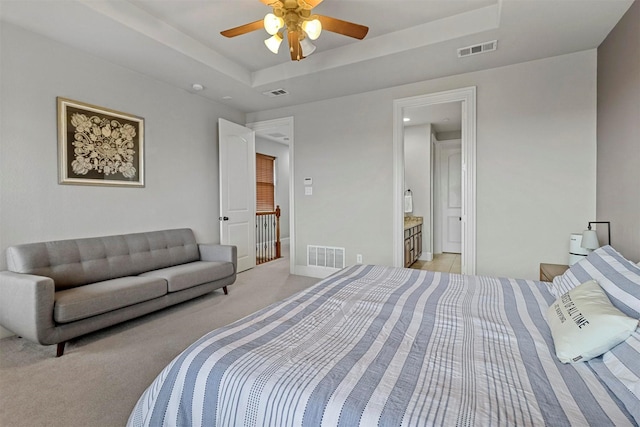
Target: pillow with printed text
point(584, 324)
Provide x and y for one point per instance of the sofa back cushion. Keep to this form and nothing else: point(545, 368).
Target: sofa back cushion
point(77, 262)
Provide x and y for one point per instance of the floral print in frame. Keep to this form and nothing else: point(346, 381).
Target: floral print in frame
point(99, 146)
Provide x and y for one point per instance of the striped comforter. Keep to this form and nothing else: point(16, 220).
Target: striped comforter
point(380, 346)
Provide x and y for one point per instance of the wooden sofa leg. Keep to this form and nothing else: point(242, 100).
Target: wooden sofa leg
point(60, 349)
point(226, 292)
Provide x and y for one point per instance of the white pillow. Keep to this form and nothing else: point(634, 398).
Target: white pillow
point(584, 324)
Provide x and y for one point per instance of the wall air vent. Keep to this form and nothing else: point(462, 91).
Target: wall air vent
point(275, 92)
point(478, 48)
point(325, 256)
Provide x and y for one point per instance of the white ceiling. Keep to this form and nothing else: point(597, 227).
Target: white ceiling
point(443, 117)
point(179, 41)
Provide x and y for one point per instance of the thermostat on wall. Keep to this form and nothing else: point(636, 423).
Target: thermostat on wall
point(308, 181)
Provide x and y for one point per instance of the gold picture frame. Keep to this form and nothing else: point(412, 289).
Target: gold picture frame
point(99, 146)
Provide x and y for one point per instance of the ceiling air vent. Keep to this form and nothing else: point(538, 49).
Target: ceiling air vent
point(275, 92)
point(478, 48)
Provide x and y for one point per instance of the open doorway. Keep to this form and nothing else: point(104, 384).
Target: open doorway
point(275, 138)
point(464, 101)
point(433, 176)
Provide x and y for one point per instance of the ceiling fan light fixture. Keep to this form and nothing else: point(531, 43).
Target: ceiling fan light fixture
point(273, 42)
point(301, 25)
point(307, 47)
point(312, 28)
point(273, 23)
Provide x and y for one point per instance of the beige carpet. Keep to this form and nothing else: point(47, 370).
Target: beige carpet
point(100, 377)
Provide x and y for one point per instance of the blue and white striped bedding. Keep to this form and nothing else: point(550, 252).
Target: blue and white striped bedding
point(381, 346)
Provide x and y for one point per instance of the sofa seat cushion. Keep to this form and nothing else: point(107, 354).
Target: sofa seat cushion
point(196, 273)
point(101, 297)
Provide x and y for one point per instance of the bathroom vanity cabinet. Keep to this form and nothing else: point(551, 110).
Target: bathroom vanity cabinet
point(412, 240)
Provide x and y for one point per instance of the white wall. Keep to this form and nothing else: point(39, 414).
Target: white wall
point(181, 148)
point(536, 150)
point(417, 176)
point(281, 153)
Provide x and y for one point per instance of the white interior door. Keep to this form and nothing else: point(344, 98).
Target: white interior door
point(237, 154)
point(451, 197)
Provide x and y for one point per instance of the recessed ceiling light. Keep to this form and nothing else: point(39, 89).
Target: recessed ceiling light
point(197, 87)
point(226, 97)
point(406, 119)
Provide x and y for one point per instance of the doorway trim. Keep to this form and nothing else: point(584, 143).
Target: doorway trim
point(286, 123)
point(467, 97)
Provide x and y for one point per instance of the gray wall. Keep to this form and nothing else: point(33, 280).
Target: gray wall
point(181, 148)
point(618, 194)
point(281, 153)
point(536, 164)
point(535, 175)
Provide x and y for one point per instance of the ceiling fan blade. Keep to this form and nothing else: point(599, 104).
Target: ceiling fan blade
point(243, 29)
point(345, 28)
point(273, 3)
point(308, 4)
point(294, 46)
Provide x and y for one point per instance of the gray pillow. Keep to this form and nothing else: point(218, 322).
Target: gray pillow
point(619, 277)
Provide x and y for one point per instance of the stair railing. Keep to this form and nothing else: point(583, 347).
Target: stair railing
point(268, 236)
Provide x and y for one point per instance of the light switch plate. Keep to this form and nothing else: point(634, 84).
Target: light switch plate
point(308, 191)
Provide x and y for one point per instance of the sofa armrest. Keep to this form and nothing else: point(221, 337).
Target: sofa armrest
point(26, 305)
point(213, 252)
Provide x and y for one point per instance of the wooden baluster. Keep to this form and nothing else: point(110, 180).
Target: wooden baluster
point(268, 236)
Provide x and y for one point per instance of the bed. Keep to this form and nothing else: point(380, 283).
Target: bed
point(382, 346)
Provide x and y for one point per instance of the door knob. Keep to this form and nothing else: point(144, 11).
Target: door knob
point(223, 218)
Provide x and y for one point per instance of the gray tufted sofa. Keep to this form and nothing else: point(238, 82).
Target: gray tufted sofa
point(55, 291)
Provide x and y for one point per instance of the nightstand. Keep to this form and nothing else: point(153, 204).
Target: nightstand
point(549, 271)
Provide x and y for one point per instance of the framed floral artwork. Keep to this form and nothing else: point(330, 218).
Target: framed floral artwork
point(99, 146)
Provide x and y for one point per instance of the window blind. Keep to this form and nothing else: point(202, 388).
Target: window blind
point(265, 183)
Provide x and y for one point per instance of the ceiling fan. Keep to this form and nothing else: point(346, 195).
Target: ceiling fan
point(300, 25)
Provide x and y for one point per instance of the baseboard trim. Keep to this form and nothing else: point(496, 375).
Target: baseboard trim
point(4, 333)
point(314, 271)
point(426, 256)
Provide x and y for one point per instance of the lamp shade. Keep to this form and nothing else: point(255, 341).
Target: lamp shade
point(272, 23)
point(273, 42)
point(313, 28)
point(307, 47)
point(590, 239)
